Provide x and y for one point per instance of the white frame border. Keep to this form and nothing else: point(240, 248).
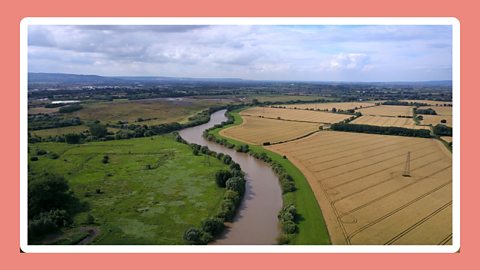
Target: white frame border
point(25, 247)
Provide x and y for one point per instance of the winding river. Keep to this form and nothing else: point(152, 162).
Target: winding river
point(256, 222)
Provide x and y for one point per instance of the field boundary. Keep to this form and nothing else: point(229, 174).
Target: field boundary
point(312, 226)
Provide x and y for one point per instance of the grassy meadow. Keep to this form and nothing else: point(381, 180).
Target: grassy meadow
point(149, 192)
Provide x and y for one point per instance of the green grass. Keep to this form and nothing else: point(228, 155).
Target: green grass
point(313, 230)
point(136, 205)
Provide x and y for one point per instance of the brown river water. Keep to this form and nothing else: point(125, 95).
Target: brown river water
point(256, 222)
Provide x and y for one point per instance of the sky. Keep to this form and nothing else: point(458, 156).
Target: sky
point(255, 52)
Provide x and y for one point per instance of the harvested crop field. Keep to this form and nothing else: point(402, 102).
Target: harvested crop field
point(388, 110)
point(436, 119)
point(357, 180)
point(330, 105)
point(256, 130)
point(385, 121)
point(439, 110)
point(447, 138)
point(295, 115)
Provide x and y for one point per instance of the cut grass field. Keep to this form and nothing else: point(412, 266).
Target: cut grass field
point(150, 191)
point(330, 105)
point(158, 110)
point(295, 115)
point(388, 110)
point(359, 183)
point(312, 228)
point(385, 121)
point(256, 130)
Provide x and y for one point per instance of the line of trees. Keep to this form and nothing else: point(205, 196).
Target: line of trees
point(233, 181)
point(399, 131)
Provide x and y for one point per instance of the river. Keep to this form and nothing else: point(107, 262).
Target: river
point(256, 222)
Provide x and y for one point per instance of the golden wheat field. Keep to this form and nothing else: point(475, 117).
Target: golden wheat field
point(388, 110)
point(436, 119)
point(447, 138)
point(256, 130)
point(295, 115)
point(385, 121)
point(330, 105)
point(357, 180)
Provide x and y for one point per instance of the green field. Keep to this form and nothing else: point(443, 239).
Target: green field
point(312, 228)
point(150, 191)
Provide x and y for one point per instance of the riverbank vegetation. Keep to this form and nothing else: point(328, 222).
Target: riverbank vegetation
point(301, 219)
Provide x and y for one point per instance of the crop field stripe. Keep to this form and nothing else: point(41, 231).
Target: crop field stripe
point(397, 210)
point(343, 146)
point(314, 149)
point(372, 186)
point(394, 191)
point(376, 184)
point(371, 164)
point(409, 229)
point(356, 160)
point(395, 144)
point(445, 240)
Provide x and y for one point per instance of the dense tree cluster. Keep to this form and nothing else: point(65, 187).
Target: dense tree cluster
point(428, 111)
point(381, 130)
point(46, 121)
point(442, 130)
point(51, 204)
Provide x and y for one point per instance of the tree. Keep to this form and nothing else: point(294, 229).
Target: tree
point(72, 138)
point(213, 226)
point(98, 130)
point(236, 184)
point(47, 193)
point(221, 177)
point(192, 235)
point(443, 121)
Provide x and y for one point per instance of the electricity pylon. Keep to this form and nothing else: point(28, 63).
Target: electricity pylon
point(406, 171)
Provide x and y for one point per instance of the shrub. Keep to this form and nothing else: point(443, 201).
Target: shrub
point(212, 226)
point(227, 210)
point(236, 184)
point(289, 227)
point(41, 152)
point(221, 177)
point(232, 196)
point(192, 236)
point(33, 158)
point(53, 155)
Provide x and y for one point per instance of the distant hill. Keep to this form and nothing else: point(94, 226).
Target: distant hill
point(75, 79)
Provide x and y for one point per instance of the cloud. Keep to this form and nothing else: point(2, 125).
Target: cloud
point(247, 51)
point(357, 61)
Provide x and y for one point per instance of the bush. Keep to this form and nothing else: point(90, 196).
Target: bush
point(41, 152)
point(47, 222)
point(221, 177)
point(212, 226)
point(232, 196)
point(53, 155)
point(33, 158)
point(227, 210)
point(105, 159)
point(236, 184)
point(192, 236)
point(289, 227)
point(98, 130)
